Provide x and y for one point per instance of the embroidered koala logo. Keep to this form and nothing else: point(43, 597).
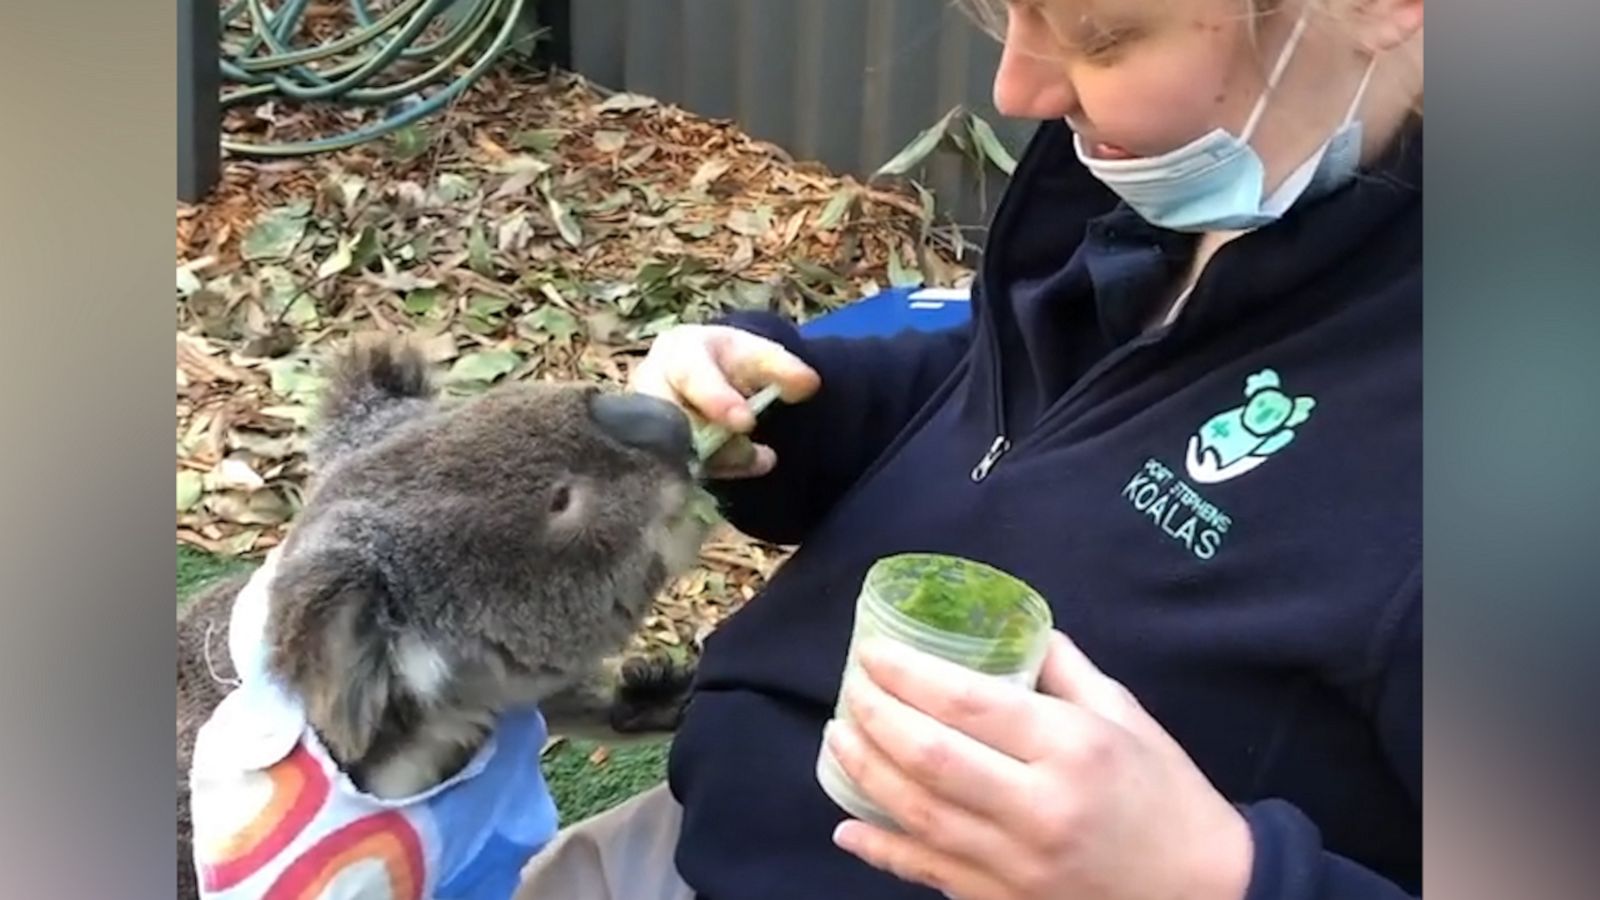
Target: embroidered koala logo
point(1235, 441)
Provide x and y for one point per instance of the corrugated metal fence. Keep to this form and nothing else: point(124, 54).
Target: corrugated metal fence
point(844, 82)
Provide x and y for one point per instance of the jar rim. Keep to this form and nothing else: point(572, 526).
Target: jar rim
point(902, 625)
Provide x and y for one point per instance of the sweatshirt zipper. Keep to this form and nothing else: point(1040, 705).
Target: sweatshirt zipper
point(996, 450)
point(1001, 444)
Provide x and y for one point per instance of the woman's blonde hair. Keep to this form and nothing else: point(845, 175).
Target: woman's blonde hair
point(990, 15)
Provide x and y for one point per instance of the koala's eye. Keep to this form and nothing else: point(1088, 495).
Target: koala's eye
point(560, 500)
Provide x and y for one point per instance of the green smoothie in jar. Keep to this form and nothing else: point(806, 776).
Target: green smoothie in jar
point(961, 610)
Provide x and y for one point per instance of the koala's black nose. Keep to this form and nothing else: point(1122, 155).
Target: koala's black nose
point(648, 423)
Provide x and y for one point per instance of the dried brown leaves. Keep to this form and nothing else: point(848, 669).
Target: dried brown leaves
point(543, 231)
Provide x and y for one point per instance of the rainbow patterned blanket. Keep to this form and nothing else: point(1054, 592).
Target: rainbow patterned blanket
point(274, 817)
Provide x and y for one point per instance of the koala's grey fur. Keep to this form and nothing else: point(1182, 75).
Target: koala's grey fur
point(452, 560)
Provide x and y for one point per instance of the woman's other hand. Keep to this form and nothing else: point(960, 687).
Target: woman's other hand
point(709, 370)
point(1072, 791)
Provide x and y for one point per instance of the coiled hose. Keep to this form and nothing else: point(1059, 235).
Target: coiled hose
point(266, 67)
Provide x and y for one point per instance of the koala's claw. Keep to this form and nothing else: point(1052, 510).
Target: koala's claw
point(651, 694)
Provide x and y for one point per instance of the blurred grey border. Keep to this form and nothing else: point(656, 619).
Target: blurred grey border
point(1513, 435)
point(86, 188)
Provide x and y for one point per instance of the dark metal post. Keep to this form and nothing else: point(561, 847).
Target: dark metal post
point(199, 112)
point(556, 15)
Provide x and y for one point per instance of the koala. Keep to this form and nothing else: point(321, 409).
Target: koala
point(454, 560)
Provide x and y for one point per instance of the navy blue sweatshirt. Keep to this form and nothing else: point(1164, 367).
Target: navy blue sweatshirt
point(1224, 513)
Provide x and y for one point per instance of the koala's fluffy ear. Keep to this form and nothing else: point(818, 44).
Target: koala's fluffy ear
point(374, 383)
point(330, 634)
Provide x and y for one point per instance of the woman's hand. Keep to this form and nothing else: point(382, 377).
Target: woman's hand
point(1074, 791)
point(709, 370)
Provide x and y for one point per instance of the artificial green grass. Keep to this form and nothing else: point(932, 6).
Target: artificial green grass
point(581, 787)
point(197, 568)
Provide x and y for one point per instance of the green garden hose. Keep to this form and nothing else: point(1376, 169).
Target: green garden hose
point(265, 66)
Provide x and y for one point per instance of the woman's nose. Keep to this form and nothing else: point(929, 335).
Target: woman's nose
point(1032, 80)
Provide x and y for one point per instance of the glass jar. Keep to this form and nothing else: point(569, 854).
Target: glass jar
point(960, 610)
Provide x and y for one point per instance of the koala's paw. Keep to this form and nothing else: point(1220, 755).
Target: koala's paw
point(651, 694)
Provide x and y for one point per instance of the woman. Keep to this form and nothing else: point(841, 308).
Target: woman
point(1188, 410)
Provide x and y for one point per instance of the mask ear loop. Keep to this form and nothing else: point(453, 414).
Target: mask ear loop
point(1275, 77)
point(1361, 90)
point(1349, 116)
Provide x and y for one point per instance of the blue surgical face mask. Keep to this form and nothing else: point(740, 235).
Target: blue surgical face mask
point(1217, 181)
